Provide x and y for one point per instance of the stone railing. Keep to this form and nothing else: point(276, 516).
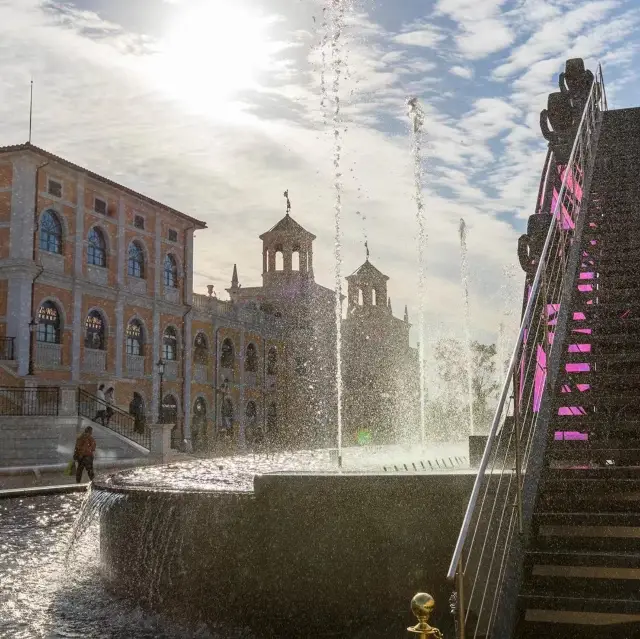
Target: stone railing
point(200, 373)
point(135, 365)
point(95, 361)
point(48, 355)
point(171, 370)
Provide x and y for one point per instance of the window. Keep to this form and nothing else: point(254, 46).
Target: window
point(100, 206)
point(138, 222)
point(251, 359)
point(135, 265)
point(226, 357)
point(94, 331)
point(48, 323)
point(200, 349)
point(173, 235)
point(50, 232)
point(134, 341)
point(227, 414)
point(251, 422)
point(272, 361)
point(170, 272)
point(96, 251)
point(54, 188)
point(170, 344)
point(169, 410)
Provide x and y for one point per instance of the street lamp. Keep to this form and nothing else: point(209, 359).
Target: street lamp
point(160, 369)
point(33, 325)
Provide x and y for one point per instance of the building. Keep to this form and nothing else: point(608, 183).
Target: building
point(96, 288)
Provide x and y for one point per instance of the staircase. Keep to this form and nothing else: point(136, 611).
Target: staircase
point(120, 421)
point(582, 562)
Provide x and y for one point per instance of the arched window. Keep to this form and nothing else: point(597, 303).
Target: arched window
point(250, 422)
point(227, 414)
point(135, 342)
point(169, 410)
point(170, 272)
point(374, 297)
point(50, 232)
point(48, 323)
point(272, 361)
point(94, 331)
point(295, 259)
point(201, 349)
point(170, 344)
point(360, 297)
point(97, 249)
point(272, 419)
point(251, 359)
point(279, 259)
point(135, 265)
point(226, 356)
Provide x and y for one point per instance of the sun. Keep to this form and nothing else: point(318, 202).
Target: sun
point(213, 52)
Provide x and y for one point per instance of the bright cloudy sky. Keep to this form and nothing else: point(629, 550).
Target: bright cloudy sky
point(214, 107)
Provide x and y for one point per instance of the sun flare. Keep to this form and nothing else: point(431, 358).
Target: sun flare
point(214, 52)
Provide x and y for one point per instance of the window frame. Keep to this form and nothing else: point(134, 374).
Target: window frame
point(137, 217)
point(130, 340)
point(97, 199)
point(136, 267)
point(170, 232)
point(169, 355)
point(93, 250)
point(55, 181)
point(53, 215)
point(170, 275)
point(48, 323)
point(102, 332)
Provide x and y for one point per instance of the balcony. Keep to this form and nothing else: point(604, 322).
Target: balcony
point(97, 274)
point(172, 294)
point(137, 285)
point(171, 370)
point(95, 361)
point(48, 355)
point(200, 373)
point(135, 365)
point(226, 373)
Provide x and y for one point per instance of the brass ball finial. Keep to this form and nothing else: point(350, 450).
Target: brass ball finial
point(422, 606)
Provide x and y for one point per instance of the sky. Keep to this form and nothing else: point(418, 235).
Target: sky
point(216, 107)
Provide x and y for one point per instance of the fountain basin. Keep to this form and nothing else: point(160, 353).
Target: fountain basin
point(303, 554)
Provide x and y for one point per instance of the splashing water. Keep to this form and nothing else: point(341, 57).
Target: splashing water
point(416, 116)
point(337, 20)
point(323, 65)
point(464, 276)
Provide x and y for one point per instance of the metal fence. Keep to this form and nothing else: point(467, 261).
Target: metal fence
point(495, 509)
point(21, 402)
point(109, 416)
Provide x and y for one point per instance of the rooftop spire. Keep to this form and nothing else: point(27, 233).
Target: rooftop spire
point(366, 248)
point(406, 314)
point(286, 197)
point(234, 277)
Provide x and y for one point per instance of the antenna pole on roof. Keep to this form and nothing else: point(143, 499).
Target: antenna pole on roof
point(30, 109)
point(286, 196)
point(366, 248)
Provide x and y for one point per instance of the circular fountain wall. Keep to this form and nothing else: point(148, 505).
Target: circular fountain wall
point(287, 543)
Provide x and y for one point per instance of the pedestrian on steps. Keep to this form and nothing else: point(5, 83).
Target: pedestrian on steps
point(108, 396)
point(101, 406)
point(83, 454)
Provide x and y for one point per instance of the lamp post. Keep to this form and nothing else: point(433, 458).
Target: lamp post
point(33, 325)
point(160, 369)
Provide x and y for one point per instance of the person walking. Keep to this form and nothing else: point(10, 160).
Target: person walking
point(101, 406)
point(83, 454)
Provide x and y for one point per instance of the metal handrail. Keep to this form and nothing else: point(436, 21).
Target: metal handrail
point(539, 287)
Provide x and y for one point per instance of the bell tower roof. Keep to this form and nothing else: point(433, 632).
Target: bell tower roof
point(289, 227)
point(367, 272)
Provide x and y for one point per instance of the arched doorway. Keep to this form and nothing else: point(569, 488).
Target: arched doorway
point(251, 424)
point(199, 425)
point(170, 416)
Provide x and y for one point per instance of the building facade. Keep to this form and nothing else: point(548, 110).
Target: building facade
point(96, 288)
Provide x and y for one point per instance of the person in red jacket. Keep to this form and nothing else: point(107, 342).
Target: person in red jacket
point(84, 452)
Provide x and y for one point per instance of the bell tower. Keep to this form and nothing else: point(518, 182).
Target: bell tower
point(287, 252)
point(367, 290)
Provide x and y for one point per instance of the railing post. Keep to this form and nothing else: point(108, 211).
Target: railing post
point(461, 602)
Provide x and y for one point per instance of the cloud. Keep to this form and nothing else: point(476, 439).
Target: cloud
point(462, 72)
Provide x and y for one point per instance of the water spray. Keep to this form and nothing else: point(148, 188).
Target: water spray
point(464, 276)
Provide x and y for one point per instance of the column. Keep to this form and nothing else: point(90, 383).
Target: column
point(188, 270)
point(265, 257)
point(310, 260)
point(78, 268)
point(119, 334)
point(186, 373)
point(286, 254)
point(242, 442)
point(155, 349)
point(157, 259)
point(19, 301)
point(272, 260)
point(122, 249)
point(22, 214)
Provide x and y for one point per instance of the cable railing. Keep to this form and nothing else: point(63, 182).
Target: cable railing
point(109, 416)
point(495, 509)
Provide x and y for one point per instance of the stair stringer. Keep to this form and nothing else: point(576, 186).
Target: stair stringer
point(507, 612)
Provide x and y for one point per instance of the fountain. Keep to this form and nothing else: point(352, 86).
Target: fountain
point(464, 276)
